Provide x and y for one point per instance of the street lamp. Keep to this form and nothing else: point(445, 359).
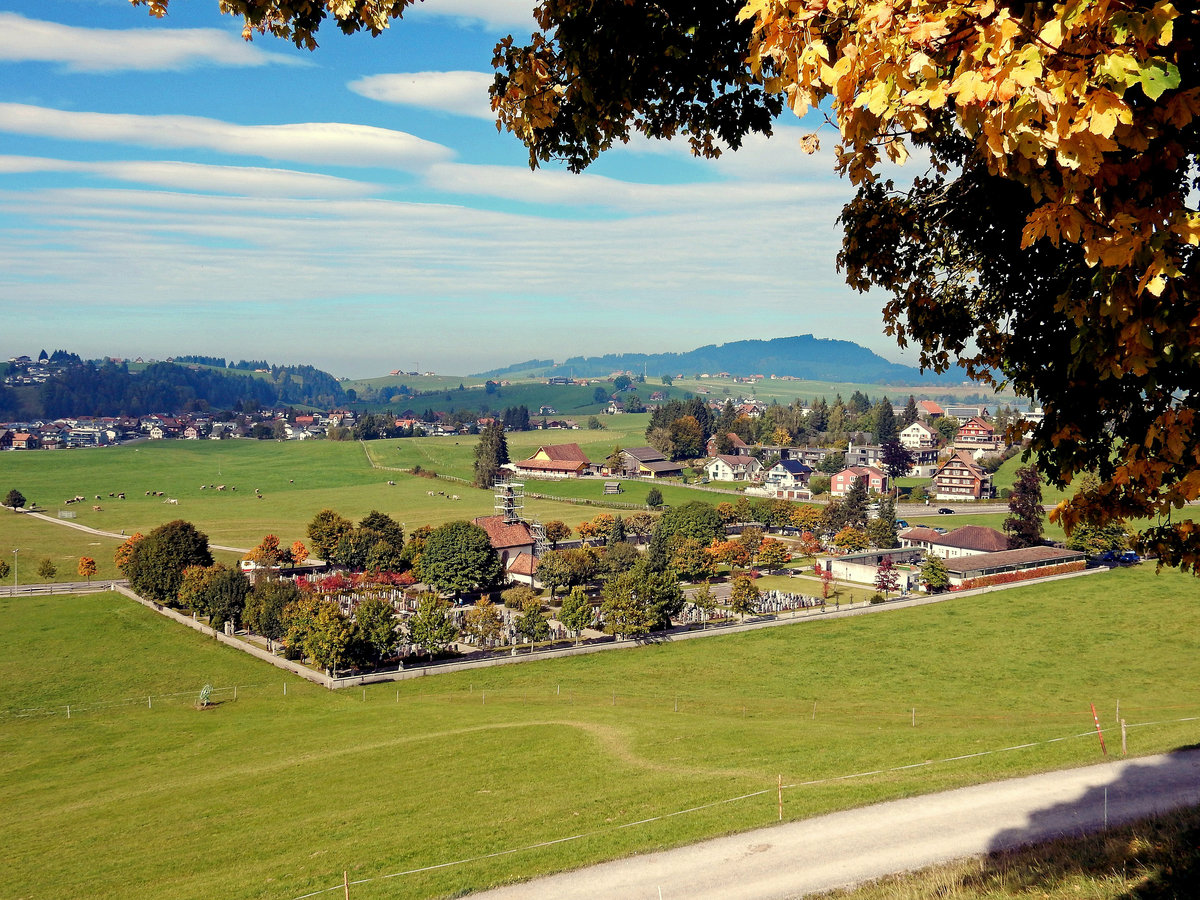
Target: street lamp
point(15, 549)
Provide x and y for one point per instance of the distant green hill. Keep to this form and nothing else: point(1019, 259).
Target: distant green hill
point(803, 356)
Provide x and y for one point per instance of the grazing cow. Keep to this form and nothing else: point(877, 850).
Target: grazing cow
point(121, 496)
point(97, 496)
point(110, 495)
point(97, 508)
point(172, 501)
point(220, 487)
point(392, 483)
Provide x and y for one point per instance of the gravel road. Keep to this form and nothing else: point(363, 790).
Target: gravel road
point(846, 848)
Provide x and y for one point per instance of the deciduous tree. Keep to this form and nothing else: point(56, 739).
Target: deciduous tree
point(934, 575)
point(324, 532)
point(458, 556)
point(744, 597)
point(14, 499)
point(531, 623)
point(375, 626)
point(87, 567)
point(773, 554)
point(577, 613)
point(557, 530)
point(887, 579)
point(124, 553)
point(850, 539)
point(156, 562)
point(482, 623)
point(47, 569)
point(329, 636)
point(265, 604)
point(432, 627)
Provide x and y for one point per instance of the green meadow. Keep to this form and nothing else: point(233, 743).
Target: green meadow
point(274, 794)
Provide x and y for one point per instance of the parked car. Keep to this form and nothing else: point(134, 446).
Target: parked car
point(945, 511)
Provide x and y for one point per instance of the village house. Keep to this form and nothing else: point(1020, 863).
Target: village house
point(930, 410)
point(646, 462)
point(24, 440)
point(978, 437)
point(969, 540)
point(924, 459)
point(966, 413)
point(841, 483)
point(919, 436)
point(728, 467)
point(961, 478)
point(737, 446)
point(554, 461)
point(787, 480)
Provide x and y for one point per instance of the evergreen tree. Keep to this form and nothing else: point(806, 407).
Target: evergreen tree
point(1025, 514)
point(818, 418)
point(490, 454)
point(854, 504)
point(882, 529)
point(910, 414)
point(885, 422)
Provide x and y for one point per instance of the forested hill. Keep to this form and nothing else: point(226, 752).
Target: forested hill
point(803, 356)
point(111, 389)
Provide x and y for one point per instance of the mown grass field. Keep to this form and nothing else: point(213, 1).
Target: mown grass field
point(275, 796)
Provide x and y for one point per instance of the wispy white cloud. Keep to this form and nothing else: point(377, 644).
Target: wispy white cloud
point(245, 181)
point(461, 93)
point(503, 15)
point(563, 189)
point(321, 143)
point(137, 49)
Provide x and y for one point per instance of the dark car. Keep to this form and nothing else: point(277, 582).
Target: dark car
point(945, 511)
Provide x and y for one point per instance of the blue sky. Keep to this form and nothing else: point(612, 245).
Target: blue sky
point(168, 188)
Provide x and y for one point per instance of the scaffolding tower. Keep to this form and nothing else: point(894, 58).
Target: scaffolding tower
point(510, 500)
point(540, 544)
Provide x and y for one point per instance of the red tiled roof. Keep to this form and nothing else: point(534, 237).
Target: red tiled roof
point(921, 533)
point(1025, 556)
point(563, 452)
point(975, 537)
point(504, 535)
point(524, 564)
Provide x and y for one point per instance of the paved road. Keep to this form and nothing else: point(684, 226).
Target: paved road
point(845, 848)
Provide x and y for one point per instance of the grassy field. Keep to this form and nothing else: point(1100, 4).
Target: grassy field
point(138, 794)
